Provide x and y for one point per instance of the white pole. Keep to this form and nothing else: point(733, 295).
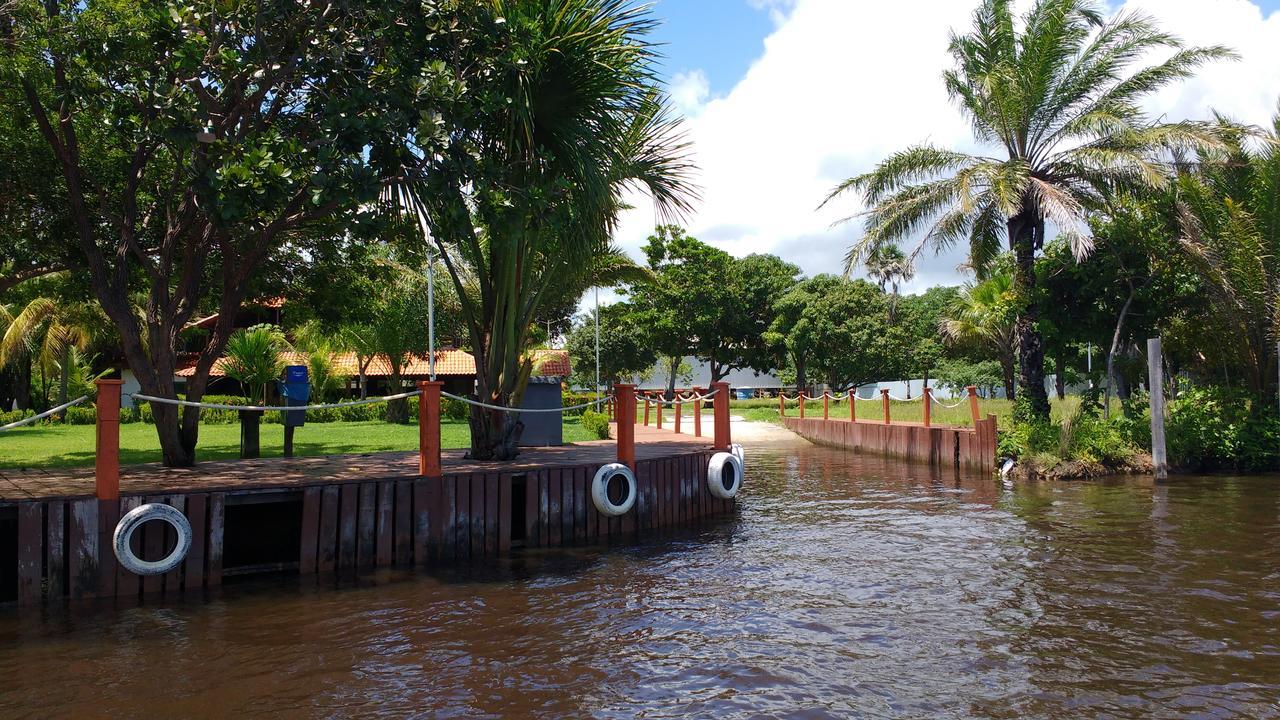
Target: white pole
point(1155, 377)
point(597, 291)
point(431, 315)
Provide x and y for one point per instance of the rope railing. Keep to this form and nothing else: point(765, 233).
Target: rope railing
point(270, 408)
point(489, 406)
point(941, 404)
point(43, 415)
point(671, 403)
point(898, 399)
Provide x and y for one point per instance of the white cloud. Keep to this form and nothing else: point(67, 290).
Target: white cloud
point(689, 90)
point(842, 83)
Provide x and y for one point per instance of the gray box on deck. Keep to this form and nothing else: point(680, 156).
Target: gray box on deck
point(543, 428)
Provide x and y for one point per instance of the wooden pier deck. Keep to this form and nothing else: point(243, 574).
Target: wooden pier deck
point(24, 484)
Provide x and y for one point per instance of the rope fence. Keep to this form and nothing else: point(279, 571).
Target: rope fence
point(43, 415)
point(270, 408)
point(487, 406)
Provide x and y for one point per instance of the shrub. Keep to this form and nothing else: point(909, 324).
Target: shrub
point(1214, 429)
point(596, 423)
point(455, 410)
point(82, 415)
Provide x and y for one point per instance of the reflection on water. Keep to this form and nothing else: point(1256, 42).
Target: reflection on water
point(846, 586)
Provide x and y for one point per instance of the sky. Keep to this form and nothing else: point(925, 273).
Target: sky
point(783, 99)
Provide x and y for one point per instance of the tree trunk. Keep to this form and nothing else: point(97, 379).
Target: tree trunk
point(495, 434)
point(1111, 354)
point(22, 383)
point(397, 410)
point(671, 376)
point(801, 380)
point(1007, 374)
point(1026, 230)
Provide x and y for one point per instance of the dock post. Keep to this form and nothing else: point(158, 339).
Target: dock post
point(800, 397)
point(853, 405)
point(646, 410)
point(429, 429)
point(676, 422)
point(721, 404)
point(1155, 388)
point(928, 405)
point(659, 404)
point(106, 464)
point(973, 404)
point(782, 404)
point(884, 400)
point(826, 405)
point(697, 413)
point(626, 399)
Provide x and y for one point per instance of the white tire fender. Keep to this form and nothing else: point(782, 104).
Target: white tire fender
point(724, 475)
point(134, 519)
point(600, 489)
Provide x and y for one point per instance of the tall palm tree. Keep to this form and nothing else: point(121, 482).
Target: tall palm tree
point(1055, 97)
point(889, 267)
point(985, 317)
point(560, 116)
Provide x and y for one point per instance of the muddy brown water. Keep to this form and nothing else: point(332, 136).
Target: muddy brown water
point(845, 587)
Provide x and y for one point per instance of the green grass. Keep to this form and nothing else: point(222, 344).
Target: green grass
point(55, 446)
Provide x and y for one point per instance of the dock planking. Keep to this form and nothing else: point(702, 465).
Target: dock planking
point(382, 515)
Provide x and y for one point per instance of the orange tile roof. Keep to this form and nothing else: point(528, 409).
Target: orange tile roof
point(454, 363)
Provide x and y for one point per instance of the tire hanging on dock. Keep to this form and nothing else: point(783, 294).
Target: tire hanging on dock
point(133, 520)
point(600, 489)
point(724, 475)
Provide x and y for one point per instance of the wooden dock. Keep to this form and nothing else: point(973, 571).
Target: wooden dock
point(972, 448)
point(333, 515)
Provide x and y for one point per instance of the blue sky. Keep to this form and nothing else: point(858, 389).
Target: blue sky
point(841, 84)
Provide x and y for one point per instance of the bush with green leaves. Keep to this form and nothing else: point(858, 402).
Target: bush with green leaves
point(1213, 428)
point(596, 423)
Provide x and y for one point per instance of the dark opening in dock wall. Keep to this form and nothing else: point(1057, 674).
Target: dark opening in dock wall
point(519, 488)
point(262, 533)
point(8, 555)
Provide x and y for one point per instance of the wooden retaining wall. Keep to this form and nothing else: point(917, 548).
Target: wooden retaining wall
point(970, 448)
point(64, 544)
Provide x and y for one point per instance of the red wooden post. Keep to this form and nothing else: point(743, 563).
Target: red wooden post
point(106, 464)
point(697, 413)
point(928, 405)
point(659, 403)
point(800, 396)
point(973, 404)
point(626, 395)
point(884, 400)
point(721, 404)
point(826, 405)
point(853, 406)
point(646, 410)
point(782, 404)
point(429, 429)
point(677, 420)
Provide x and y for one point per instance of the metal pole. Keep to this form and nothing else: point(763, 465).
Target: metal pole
point(597, 291)
point(1155, 380)
point(431, 315)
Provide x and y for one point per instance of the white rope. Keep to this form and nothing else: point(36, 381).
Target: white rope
point(944, 405)
point(870, 399)
point(487, 406)
point(44, 414)
point(281, 408)
point(898, 399)
point(671, 403)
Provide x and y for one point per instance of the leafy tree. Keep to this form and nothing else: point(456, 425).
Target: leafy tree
point(921, 317)
point(1229, 215)
point(984, 316)
point(838, 330)
point(625, 350)
point(1053, 94)
point(194, 141)
point(551, 112)
point(49, 333)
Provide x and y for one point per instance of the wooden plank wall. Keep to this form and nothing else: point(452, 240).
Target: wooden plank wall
point(65, 545)
point(971, 448)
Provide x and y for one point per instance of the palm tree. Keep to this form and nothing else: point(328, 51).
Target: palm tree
point(1053, 95)
point(253, 358)
point(1229, 215)
point(561, 116)
point(889, 267)
point(985, 316)
point(48, 332)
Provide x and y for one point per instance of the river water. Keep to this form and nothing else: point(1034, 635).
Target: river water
point(845, 587)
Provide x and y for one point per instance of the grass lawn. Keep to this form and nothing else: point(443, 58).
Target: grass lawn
point(57, 446)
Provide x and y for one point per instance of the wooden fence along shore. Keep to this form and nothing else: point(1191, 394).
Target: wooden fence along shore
point(341, 514)
point(972, 448)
